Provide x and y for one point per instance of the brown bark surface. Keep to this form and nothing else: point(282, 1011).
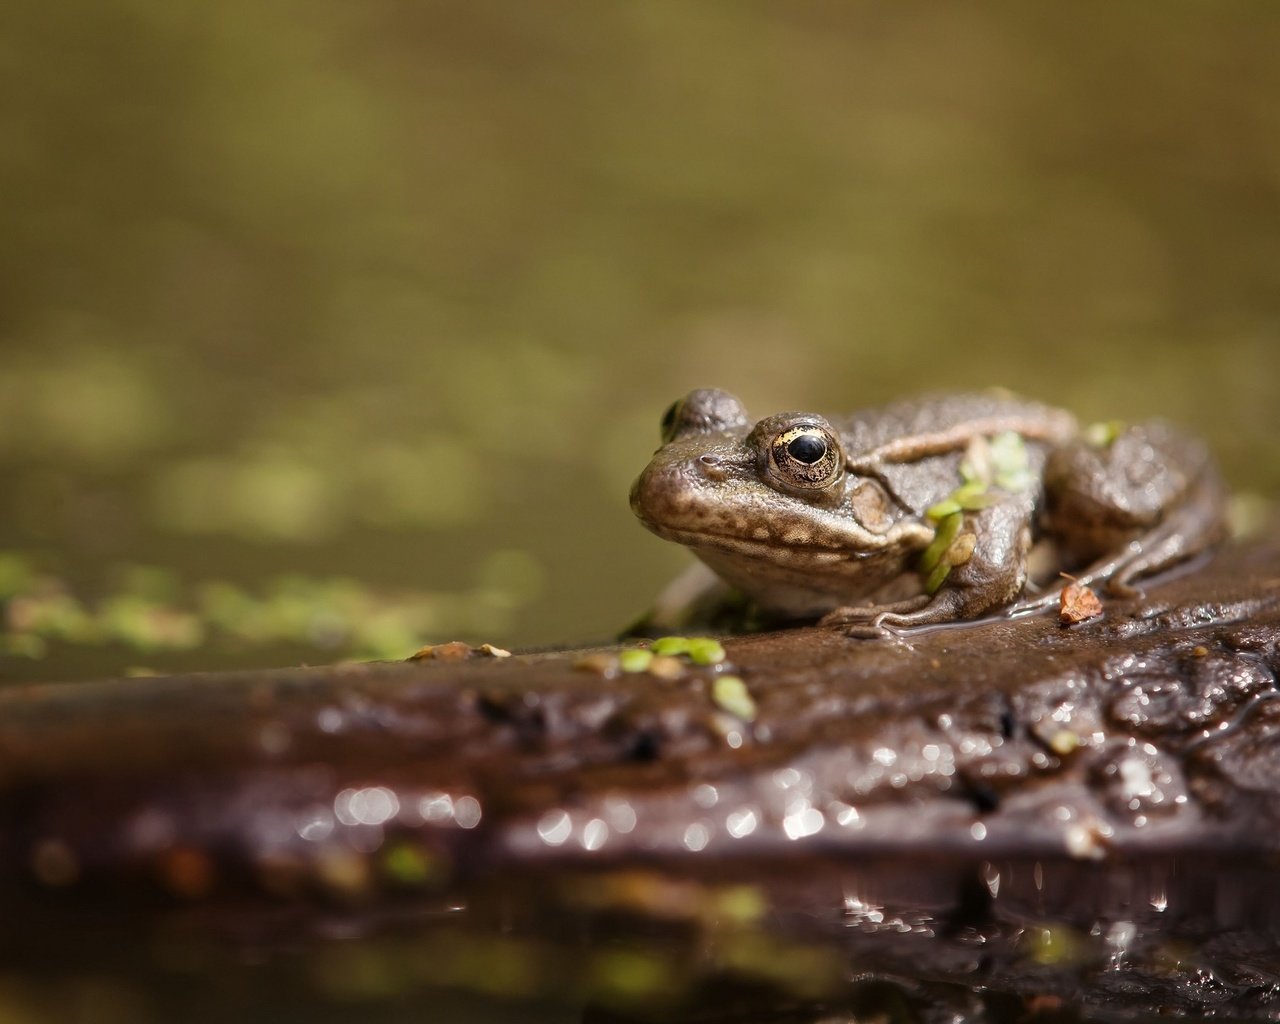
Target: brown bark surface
point(972, 820)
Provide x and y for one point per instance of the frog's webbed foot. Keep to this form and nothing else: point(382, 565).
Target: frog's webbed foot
point(865, 614)
point(890, 620)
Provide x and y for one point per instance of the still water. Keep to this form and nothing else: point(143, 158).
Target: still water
point(328, 331)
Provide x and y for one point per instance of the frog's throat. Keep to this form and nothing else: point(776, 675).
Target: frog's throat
point(783, 545)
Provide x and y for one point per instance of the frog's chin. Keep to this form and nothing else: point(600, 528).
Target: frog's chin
point(808, 584)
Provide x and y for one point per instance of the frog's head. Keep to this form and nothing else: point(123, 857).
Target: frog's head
point(755, 502)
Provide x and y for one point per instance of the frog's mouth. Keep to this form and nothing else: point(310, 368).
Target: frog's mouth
point(823, 545)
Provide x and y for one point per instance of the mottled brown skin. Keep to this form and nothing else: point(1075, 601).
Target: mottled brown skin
point(834, 522)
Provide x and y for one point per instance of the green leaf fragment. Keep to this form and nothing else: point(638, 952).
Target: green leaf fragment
point(947, 531)
point(973, 496)
point(628, 975)
point(937, 577)
point(634, 659)
point(946, 507)
point(1009, 461)
point(1019, 480)
point(968, 497)
point(670, 645)
point(1008, 451)
point(742, 904)
point(705, 651)
point(410, 865)
point(1103, 434)
point(16, 574)
point(730, 694)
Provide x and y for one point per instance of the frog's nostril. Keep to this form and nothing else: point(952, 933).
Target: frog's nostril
point(712, 466)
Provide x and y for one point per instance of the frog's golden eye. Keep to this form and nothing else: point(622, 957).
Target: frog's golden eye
point(807, 456)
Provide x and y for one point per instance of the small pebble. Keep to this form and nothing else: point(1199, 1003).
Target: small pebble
point(666, 667)
point(601, 664)
point(455, 650)
point(1063, 742)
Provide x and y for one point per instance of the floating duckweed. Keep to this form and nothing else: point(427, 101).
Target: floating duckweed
point(150, 611)
point(704, 650)
point(1103, 434)
point(635, 659)
point(23, 645)
point(1055, 946)
point(810, 971)
point(15, 574)
point(630, 974)
point(730, 694)
point(672, 645)
point(742, 904)
point(409, 865)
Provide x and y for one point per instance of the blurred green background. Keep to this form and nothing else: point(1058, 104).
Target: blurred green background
point(329, 329)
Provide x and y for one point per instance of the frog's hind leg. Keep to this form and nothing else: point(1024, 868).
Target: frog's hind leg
point(1184, 497)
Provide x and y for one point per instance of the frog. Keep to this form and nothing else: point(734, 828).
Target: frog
point(929, 511)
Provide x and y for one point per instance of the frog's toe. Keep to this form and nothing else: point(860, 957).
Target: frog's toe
point(846, 615)
point(874, 614)
point(1122, 586)
point(869, 631)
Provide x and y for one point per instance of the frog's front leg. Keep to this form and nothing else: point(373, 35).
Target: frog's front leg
point(978, 561)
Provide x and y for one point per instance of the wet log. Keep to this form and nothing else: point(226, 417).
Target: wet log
point(979, 822)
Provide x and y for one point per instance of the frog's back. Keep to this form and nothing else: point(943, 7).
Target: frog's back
point(897, 427)
point(916, 447)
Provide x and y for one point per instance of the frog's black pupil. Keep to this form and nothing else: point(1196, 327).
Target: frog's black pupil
point(807, 449)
